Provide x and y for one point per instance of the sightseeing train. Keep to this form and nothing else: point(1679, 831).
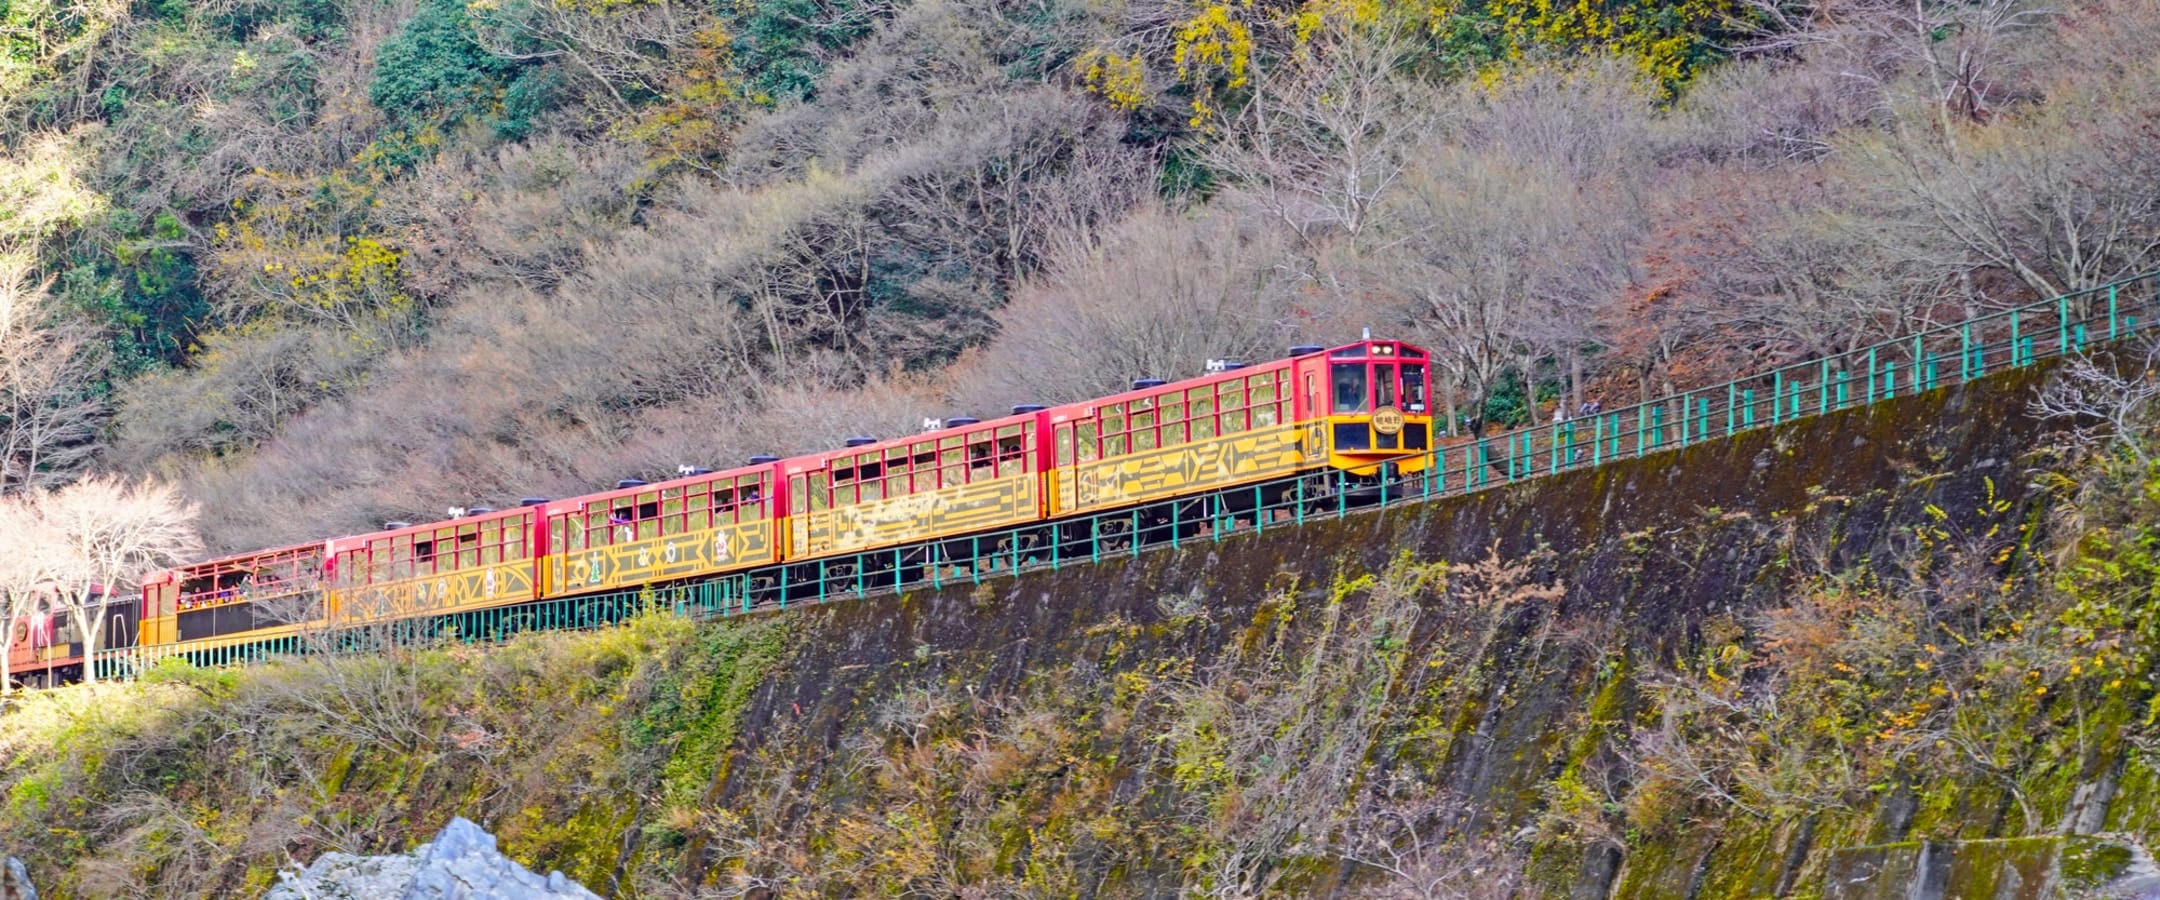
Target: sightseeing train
point(1361, 410)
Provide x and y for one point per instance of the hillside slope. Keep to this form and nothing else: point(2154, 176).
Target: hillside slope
point(1697, 674)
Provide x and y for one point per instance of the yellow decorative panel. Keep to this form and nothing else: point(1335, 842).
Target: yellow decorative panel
point(718, 549)
point(1254, 455)
point(475, 588)
point(947, 511)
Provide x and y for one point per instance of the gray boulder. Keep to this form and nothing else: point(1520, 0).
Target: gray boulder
point(15, 882)
point(461, 863)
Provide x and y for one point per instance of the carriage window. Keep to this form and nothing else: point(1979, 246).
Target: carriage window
point(1350, 388)
point(1413, 388)
point(952, 469)
point(1090, 442)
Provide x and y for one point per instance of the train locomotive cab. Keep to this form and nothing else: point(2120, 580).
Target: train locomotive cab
point(1375, 399)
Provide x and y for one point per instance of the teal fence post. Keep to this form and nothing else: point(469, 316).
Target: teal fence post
point(1747, 409)
point(1777, 396)
point(2014, 339)
point(1889, 380)
point(1597, 440)
point(1871, 375)
point(2062, 324)
point(1965, 351)
point(1732, 407)
point(1642, 427)
point(1822, 390)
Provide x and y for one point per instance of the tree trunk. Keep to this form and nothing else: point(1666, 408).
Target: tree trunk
point(1529, 390)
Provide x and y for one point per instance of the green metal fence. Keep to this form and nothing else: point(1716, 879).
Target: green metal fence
point(1907, 365)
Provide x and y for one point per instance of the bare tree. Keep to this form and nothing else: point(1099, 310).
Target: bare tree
point(1329, 130)
point(2108, 401)
point(29, 562)
point(49, 418)
point(110, 532)
point(1157, 296)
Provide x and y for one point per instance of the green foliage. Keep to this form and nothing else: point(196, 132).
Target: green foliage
point(782, 45)
point(698, 705)
point(160, 304)
point(434, 71)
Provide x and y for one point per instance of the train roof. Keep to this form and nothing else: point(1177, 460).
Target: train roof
point(1082, 408)
point(238, 560)
point(567, 504)
point(811, 461)
point(349, 541)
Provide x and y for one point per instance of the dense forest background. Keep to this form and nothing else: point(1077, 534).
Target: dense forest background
point(330, 262)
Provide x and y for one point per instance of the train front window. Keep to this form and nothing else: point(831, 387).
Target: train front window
point(1413, 388)
point(1351, 392)
point(1383, 386)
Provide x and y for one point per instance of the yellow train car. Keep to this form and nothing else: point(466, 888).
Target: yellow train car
point(1361, 408)
point(705, 524)
point(967, 477)
point(468, 563)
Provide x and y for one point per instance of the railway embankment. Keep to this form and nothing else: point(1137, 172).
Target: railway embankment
point(1729, 670)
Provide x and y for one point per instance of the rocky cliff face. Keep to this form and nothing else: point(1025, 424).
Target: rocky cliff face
point(1507, 687)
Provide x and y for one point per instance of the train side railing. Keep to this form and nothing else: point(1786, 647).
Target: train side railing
point(1904, 366)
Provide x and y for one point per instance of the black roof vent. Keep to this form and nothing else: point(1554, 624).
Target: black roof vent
point(764, 459)
point(479, 510)
point(1142, 383)
point(962, 421)
point(531, 501)
point(1025, 408)
point(629, 483)
point(861, 440)
point(1305, 349)
point(395, 526)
